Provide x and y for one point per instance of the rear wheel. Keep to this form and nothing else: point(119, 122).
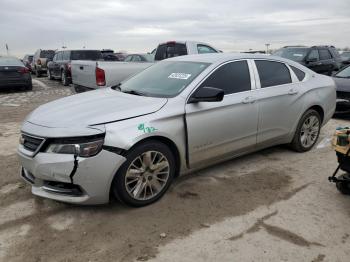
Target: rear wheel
point(37, 73)
point(29, 87)
point(64, 78)
point(146, 174)
point(307, 131)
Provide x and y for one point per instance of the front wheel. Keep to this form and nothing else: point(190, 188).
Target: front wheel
point(146, 174)
point(49, 75)
point(307, 131)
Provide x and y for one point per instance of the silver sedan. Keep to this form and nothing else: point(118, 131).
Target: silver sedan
point(176, 116)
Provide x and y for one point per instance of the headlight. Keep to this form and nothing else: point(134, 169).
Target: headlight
point(82, 149)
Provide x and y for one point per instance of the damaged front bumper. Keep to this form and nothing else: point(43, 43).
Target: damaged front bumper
point(59, 177)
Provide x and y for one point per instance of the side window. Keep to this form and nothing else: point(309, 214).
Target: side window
point(128, 58)
point(324, 54)
point(55, 57)
point(232, 78)
point(59, 56)
point(272, 73)
point(300, 74)
point(136, 58)
point(66, 55)
point(204, 49)
point(314, 55)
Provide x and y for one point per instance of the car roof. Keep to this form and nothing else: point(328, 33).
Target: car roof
point(222, 57)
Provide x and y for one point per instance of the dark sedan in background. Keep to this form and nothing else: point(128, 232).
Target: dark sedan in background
point(342, 81)
point(13, 74)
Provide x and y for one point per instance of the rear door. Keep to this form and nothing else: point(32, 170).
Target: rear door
point(279, 99)
point(226, 128)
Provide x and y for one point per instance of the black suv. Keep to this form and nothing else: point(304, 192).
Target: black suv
point(60, 66)
point(321, 59)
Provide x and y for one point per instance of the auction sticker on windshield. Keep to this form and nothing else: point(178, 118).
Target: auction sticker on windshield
point(180, 76)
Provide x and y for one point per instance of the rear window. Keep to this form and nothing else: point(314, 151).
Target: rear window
point(168, 50)
point(86, 55)
point(272, 73)
point(9, 61)
point(300, 74)
point(47, 54)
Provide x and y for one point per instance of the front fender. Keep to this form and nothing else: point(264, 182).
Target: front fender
point(125, 134)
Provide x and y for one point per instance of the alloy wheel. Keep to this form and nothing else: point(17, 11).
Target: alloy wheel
point(147, 175)
point(309, 131)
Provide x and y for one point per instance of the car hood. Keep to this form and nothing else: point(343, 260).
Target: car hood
point(342, 84)
point(93, 108)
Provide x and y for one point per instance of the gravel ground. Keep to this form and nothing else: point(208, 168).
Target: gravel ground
point(274, 205)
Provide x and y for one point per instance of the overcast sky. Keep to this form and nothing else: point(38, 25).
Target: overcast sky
point(138, 25)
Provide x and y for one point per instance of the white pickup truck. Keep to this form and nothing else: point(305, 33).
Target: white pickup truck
point(88, 75)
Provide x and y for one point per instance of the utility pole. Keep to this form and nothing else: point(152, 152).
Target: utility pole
point(267, 48)
point(7, 49)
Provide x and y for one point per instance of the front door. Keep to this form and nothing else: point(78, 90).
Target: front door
point(226, 128)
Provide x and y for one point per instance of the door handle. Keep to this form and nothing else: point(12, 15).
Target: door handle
point(248, 100)
point(81, 68)
point(292, 92)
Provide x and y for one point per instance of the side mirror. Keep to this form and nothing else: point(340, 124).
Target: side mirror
point(311, 60)
point(207, 94)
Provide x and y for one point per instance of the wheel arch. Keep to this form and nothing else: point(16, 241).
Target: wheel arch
point(318, 109)
point(168, 142)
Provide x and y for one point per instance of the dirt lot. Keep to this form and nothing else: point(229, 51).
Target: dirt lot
point(274, 205)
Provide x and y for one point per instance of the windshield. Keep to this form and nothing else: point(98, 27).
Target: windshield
point(47, 54)
point(295, 54)
point(9, 61)
point(164, 79)
point(86, 55)
point(344, 73)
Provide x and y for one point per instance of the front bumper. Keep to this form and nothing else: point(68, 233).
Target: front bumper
point(49, 175)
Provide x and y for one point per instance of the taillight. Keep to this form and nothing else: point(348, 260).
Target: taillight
point(100, 77)
point(38, 62)
point(23, 70)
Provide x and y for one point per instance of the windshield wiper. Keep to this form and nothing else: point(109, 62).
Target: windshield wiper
point(133, 92)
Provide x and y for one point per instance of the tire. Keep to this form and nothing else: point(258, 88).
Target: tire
point(29, 87)
point(37, 73)
point(64, 78)
point(343, 186)
point(303, 139)
point(49, 76)
point(137, 183)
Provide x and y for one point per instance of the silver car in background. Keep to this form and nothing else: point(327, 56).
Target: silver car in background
point(176, 116)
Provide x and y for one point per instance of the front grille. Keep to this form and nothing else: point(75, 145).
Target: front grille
point(32, 143)
point(343, 95)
